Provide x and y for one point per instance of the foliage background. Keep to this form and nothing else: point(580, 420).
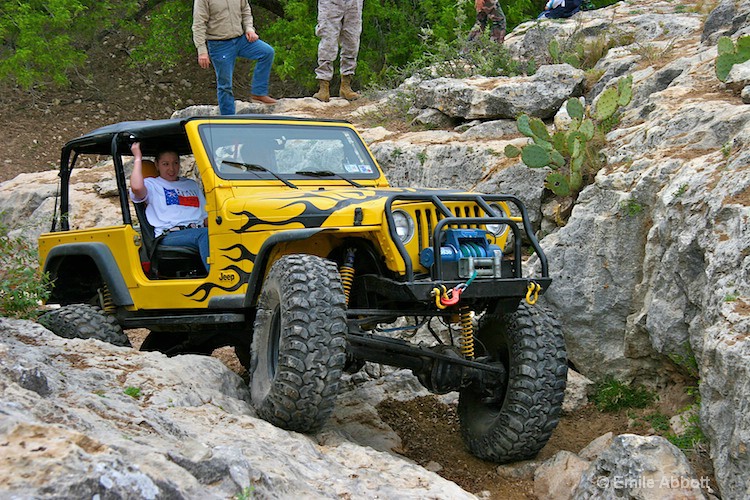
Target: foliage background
point(43, 42)
point(40, 48)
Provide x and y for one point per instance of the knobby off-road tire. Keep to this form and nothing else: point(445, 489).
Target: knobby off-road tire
point(518, 421)
point(84, 321)
point(299, 346)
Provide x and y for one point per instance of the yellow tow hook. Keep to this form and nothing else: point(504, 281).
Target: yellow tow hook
point(439, 295)
point(532, 293)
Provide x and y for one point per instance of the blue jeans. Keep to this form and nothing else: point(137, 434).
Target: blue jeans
point(223, 54)
point(196, 237)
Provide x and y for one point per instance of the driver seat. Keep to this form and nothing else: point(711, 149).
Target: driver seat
point(164, 261)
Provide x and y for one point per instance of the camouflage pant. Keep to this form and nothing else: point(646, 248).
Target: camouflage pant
point(339, 22)
point(489, 11)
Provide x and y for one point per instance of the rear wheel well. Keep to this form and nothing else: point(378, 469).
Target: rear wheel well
point(76, 279)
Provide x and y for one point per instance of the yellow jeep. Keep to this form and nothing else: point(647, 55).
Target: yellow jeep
point(316, 266)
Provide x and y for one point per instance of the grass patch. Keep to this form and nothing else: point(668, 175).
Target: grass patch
point(692, 437)
point(133, 392)
point(612, 395)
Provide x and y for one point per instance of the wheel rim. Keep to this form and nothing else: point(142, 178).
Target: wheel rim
point(274, 339)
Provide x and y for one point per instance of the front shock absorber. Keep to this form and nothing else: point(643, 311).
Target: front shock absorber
point(466, 342)
point(105, 300)
point(347, 273)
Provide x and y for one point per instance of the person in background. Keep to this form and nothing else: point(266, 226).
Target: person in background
point(223, 31)
point(339, 22)
point(489, 11)
point(175, 206)
point(555, 9)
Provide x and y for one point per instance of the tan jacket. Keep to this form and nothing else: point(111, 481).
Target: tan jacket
point(220, 20)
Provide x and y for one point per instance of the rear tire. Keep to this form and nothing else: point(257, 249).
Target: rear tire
point(84, 321)
point(299, 345)
point(514, 420)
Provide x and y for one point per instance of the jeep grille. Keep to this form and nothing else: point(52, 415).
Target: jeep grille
point(427, 218)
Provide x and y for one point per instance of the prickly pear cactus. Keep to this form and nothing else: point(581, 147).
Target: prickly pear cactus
point(575, 108)
point(731, 54)
point(554, 50)
point(611, 99)
point(566, 151)
point(535, 156)
point(606, 105)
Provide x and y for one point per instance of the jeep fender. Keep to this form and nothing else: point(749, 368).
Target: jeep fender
point(261, 261)
point(104, 261)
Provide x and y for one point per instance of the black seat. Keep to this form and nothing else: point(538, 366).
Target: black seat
point(161, 261)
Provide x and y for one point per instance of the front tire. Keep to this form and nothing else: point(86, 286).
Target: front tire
point(514, 420)
point(84, 321)
point(299, 345)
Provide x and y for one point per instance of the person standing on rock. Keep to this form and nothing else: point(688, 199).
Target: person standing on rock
point(223, 31)
point(339, 22)
point(489, 11)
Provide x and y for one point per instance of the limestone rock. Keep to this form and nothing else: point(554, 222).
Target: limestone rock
point(576, 392)
point(640, 467)
point(539, 95)
point(190, 433)
point(558, 477)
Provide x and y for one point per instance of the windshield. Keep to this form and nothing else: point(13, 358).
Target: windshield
point(266, 151)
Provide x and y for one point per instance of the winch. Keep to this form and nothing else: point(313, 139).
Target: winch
point(468, 250)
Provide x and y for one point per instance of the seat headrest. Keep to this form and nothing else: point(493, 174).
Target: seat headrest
point(149, 169)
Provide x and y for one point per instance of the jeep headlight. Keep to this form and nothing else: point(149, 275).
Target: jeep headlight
point(497, 229)
point(404, 225)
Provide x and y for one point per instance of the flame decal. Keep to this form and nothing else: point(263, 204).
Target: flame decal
point(311, 216)
point(207, 288)
point(245, 254)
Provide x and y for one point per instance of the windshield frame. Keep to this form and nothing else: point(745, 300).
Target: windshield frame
point(282, 148)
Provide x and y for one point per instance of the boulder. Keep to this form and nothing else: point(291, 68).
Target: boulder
point(640, 467)
point(97, 420)
point(539, 95)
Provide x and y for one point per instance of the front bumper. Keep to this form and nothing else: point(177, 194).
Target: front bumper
point(422, 290)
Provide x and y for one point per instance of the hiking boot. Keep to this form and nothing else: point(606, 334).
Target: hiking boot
point(324, 93)
point(346, 88)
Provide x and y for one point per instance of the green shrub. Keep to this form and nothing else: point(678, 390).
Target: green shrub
point(42, 42)
point(584, 53)
point(166, 36)
point(22, 285)
point(457, 58)
point(612, 395)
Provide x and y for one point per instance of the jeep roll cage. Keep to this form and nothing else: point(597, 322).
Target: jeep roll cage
point(114, 140)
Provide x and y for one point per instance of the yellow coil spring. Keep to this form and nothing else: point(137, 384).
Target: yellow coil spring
point(466, 342)
point(347, 273)
point(105, 299)
point(347, 276)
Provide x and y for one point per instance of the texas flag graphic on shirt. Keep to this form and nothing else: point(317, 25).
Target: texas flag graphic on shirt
point(176, 198)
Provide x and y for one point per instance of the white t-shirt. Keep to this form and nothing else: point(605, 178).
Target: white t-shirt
point(172, 203)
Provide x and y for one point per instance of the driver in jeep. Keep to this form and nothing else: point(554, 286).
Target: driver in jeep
point(175, 206)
